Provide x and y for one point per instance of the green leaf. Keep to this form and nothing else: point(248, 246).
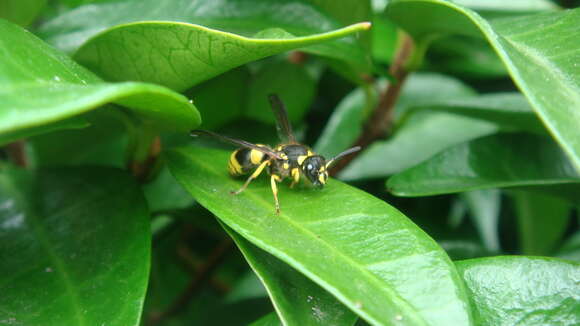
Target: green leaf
point(484, 207)
point(72, 254)
point(542, 221)
point(41, 86)
point(221, 99)
point(504, 160)
point(179, 55)
point(356, 247)
point(465, 56)
point(497, 7)
point(539, 51)
point(346, 122)
point(21, 12)
point(296, 89)
point(298, 300)
point(510, 111)
point(571, 248)
point(523, 290)
point(270, 319)
point(424, 135)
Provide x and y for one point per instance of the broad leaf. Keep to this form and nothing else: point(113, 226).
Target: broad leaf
point(40, 85)
point(356, 247)
point(270, 319)
point(296, 89)
point(498, 7)
point(75, 247)
point(510, 111)
point(179, 55)
point(571, 248)
point(484, 207)
point(504, 160)
point(539, 51)
point(298, 300)
point(424, 135)
point(523, 290)
point(542, 221)
point(348, 118)
point(21, 12)
point(221, 99)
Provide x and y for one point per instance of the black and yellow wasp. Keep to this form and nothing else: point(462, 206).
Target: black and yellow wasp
point(290, 159)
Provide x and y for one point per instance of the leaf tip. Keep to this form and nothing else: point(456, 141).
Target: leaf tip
point(366, 25)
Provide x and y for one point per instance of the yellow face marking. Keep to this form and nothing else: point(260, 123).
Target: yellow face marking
point(321, 179)
point(301, 159)
point(256, 156)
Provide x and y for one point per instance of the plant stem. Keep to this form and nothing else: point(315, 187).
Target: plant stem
point(17, 153)
point(203, 273)
point(382, 118)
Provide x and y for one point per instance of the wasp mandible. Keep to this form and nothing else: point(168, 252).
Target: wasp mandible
point(289, 159)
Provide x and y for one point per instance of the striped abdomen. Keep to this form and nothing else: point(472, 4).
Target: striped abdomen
point(245, 160)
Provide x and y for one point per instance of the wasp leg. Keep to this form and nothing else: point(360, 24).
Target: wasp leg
point(252, 177)
point(275, 192)
point(295, 177)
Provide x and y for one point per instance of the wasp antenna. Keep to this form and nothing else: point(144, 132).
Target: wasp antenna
point(341, 155)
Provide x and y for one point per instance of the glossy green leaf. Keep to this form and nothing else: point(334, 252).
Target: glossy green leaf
point(298, 300)
point(270, 319)
point(465, 56)
point(542, 221)
point(75, 247)
point(293, 83)
point(180, 55)
point(221, 99)
point(424, 135)
point(504, 160)
point(496, 7)
point(539, 51)
point(571, 248)
point(243, 17)
point(21, 12)
point(510, 111)
point(347, 119)
point(484, 207)
point(41, 86)
point(463, 249)
point(523, 290)
point(356, 247)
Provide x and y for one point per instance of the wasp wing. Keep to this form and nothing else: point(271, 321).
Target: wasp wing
point(237, 142)
point(282, 123)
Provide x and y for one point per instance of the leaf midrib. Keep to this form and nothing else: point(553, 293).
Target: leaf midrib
point(59, 266)
point(309, 234)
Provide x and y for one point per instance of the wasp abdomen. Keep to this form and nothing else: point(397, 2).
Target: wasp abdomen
point(244, 160)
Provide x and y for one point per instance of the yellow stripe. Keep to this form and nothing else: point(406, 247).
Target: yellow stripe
point(234, 166)
point(256, 157)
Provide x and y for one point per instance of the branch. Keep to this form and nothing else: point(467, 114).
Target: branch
point(382, 118)
point(203, 273)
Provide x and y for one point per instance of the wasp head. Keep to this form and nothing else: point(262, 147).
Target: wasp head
point(314, 167)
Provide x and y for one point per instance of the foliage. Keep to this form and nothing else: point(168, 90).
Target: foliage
point(466, 212)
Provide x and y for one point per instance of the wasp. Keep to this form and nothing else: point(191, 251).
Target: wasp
point(289, 159)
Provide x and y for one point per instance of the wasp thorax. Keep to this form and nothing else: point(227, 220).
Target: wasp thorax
point(314, 168)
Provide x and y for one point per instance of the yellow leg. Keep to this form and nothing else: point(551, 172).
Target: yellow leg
point(252, 177)
point(295, 177)
point(275, 192)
